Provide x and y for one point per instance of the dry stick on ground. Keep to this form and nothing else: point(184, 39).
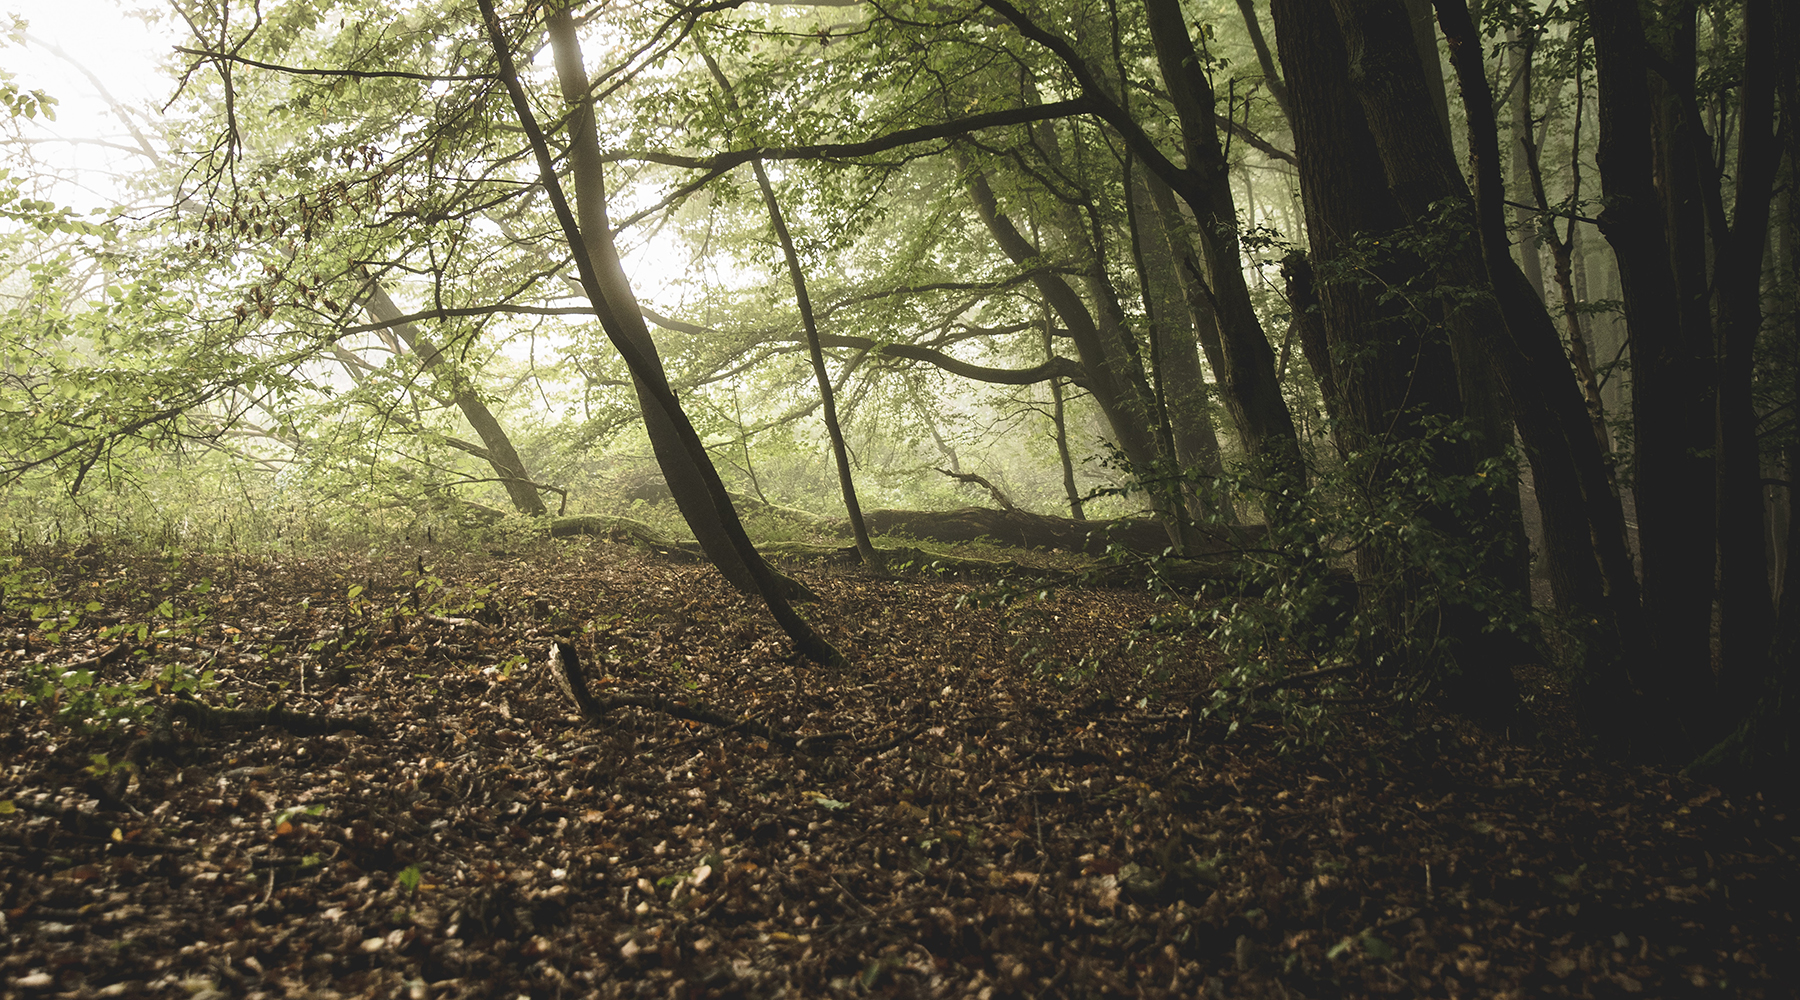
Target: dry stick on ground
point(571, 676)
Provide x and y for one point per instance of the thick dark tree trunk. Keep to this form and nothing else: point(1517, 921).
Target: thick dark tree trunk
point(1388, 368)
point(1672, 379)
point(1309, 323)
point(1746, 608)
point(1592, 584)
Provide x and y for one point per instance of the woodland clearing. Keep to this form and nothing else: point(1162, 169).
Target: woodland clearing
point(1046, 815)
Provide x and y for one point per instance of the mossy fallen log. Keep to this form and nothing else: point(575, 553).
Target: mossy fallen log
point(1023, 529)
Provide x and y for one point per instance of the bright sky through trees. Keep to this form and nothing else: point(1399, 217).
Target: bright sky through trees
point(74, 49)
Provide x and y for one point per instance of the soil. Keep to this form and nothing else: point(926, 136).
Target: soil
point(1020, 800)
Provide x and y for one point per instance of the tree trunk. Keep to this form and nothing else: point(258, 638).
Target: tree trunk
point(1424, 29)
point(1271, 79)
point(1746, 608)
point(1178, 356)
point(687, 480)
point(1524, 219)
point(501, 455)
point(1498, 313)
point(1265, 426)
point(839, 454)
point(1672, 377)
point(1060, 427)
point(610, 293)
point(1123, 399)
point(1389, 372)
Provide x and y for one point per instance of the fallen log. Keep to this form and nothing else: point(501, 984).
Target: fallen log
point(1023, 529)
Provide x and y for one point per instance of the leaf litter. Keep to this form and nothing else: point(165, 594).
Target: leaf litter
point(1045, 817)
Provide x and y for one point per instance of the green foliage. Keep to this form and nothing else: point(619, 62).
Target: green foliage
point(80, 697)
point(84, 702)
point(1422, 597)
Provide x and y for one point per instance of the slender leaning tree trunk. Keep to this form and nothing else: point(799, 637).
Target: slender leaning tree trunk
point(828, 398)
point(610, 293)
point(687, 474)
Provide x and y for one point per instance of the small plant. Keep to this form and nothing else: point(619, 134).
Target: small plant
point(80, 700)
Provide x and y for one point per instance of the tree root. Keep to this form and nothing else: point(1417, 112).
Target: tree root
point(571, 676)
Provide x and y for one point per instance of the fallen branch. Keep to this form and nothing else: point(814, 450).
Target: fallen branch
point(571, 676)
point(161, 740)
point(205, 717)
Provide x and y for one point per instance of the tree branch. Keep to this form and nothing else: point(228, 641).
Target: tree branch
point(352, 74)
point(876, 144)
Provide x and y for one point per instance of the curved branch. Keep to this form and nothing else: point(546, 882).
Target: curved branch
point(352, 74)
point(1056, 367)
point(877, 144)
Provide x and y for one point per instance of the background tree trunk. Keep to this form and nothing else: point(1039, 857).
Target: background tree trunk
point(501, 456)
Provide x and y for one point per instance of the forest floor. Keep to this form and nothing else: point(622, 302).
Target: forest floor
point(1022, 804)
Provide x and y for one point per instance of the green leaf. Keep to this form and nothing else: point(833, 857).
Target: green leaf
point(1376, 947)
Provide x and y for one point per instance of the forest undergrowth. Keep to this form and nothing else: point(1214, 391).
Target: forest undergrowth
point(1038, 812)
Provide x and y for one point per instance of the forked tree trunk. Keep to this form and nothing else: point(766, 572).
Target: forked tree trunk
point(1671, 373)
point(1386, 367)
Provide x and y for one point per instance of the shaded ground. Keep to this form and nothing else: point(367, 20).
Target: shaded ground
point(1062, 826)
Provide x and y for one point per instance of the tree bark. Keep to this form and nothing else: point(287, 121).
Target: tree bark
point(1500, 316)
point(1524, 219)
point(840, 455)
point(1271, 79)
point(1746, 608)
point(1177, 352)
point(610, 293)
point(1424, 33)
point(1121, 393)
point(1388, 368)
point(1265, 426)
point(501, 456)
point(1672, 372)
point(1060, 429)
point(686, 479)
